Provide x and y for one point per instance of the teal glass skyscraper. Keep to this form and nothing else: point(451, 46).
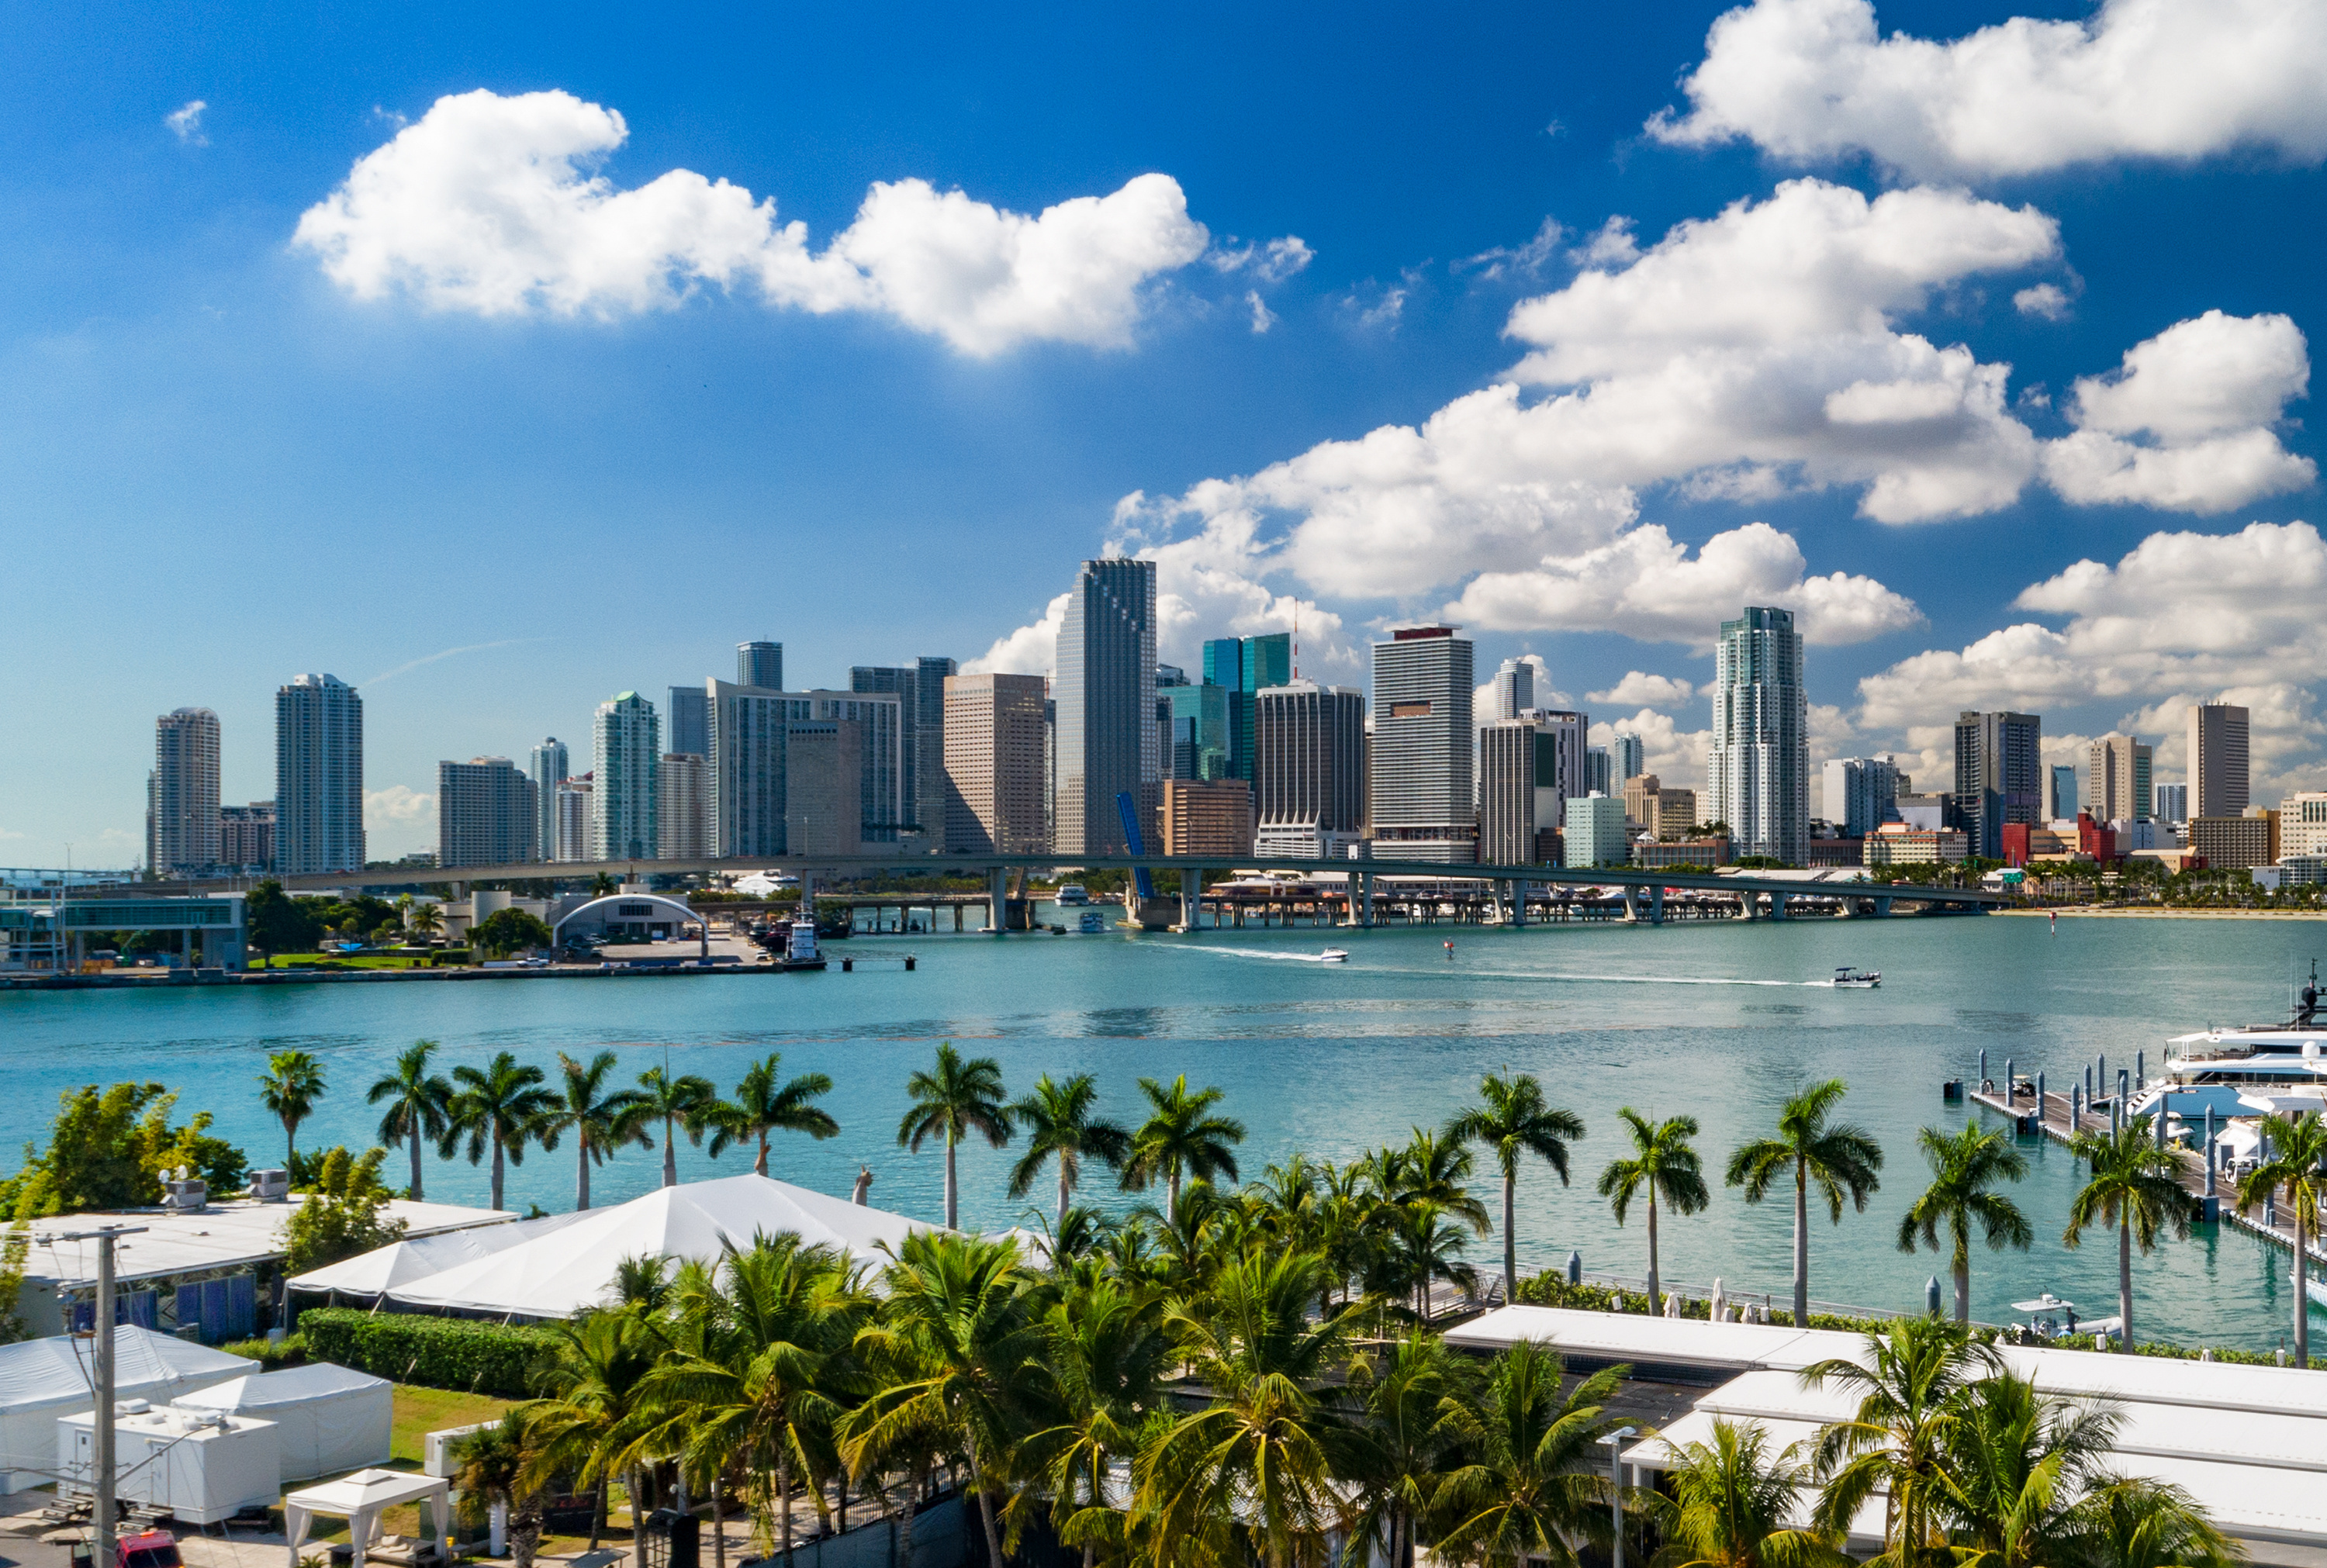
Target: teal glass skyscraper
point(1244, 666)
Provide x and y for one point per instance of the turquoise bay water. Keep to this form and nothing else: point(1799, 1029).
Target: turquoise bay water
point(1718, 1020)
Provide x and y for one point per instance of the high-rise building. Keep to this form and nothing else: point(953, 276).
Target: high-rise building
point(2061, 792)
point(1513, 753)
point(1593, 832)
point(1567, 735)
point(1599, 770)
point(996, 795)
point(1659, 810)
point(1206, 818)
point(1999, 777)
point(682, 807)
point(183, 804)
point(1245, 667)
point(1108, 742)
point(2172, 802)
point(1310, 796)
point(2116, 775)
point(247, 838)
point(761, 665)
point(902, 681)
point(919, 687)
point(574, 817)
point(1631, 758)
point(824, 786)
point(627, 740)
point(2303, 823)
point(686, 721)
point(748, 766)
point(1422, 799)
point(2231, 842)
point(549, 764)
point(487, 813)
point(1759, 759)
point(1202, 740)
point(318, 776)
point(2218, 760)
point(1514, 689)
point(1861, 793)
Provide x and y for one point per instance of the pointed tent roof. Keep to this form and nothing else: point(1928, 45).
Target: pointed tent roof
point(554, 1276)
point(415, 1258)
point(56, 1370)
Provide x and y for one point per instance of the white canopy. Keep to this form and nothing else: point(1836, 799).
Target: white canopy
point(554, 1276)
point(359, 1498)
point(2290, 1102)
point(42, 1379)
point(406, 1262)
point(327, 1418)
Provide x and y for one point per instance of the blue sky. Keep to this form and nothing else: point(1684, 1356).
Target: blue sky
point(352, 367)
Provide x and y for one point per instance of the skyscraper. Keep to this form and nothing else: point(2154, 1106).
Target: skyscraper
point(1759, 760)
point(2061, 793)
point(994, 771)
point(2218, 760)
point(1566, 736)
point(919, 687)
point(687, 718)
point(902, 681)
point(682, 807)
point(573, 820)
point(318, 776)
point(824, 773)
point(626, 736)
point(2171, 802)
point(1860, 792)
point(1514, 689)
point(1999, 777)
point(1202, 736)
point(1507, 787)
point(1107, 739)
point(487, 813)
point(1422, 800)
point(1245, 667)
point(1630, 756)
point(1599, 771)
point(247, 838)
point(759, 664)
point(1310, 797)
point(548, 766)
point(2116, 778)
point(748, 765)
point(184, 804)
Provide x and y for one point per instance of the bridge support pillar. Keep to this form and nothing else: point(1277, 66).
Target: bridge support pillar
point(1519, 902)
point(1192, 898)
point(1777, 906)
point(1746, 902)
point(1365, 898)
point(997, 899)
point(1631, 905)
point(1881, 906)
point(1656, 905)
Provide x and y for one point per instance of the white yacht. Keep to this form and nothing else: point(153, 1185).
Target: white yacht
point(2233, 1071)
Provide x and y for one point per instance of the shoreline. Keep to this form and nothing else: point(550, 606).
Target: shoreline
point(2090, 912)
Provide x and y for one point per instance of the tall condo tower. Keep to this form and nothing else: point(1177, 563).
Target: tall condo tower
point(626, 735)
point(1422, 797)
point(2117, 776)
point(1759, 760)
point(1999, 775)
point(318, 776)
point(1862, 794)
point(994, 770)
point(487, 813)
point(1514, 690)
point(759, 664)
point(2218, 760)
point(1109, 741)
point(682, 807)
point(548, 765)
point(919, 690)
point(1630, 757)
point(1311, 792)
point(185, 808)
point(685, 721)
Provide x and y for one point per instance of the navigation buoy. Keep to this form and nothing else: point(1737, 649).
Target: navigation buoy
point(1450, 952)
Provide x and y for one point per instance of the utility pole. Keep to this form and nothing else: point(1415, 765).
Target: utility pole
point(101, 1458)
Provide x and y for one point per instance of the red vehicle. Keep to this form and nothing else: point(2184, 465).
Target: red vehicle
point(154, 1549)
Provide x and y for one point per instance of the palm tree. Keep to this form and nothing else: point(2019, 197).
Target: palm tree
point(2150, 1524)
point(1535, 1489)
point(1101, 1374)
point(958, 1098)
point(1408, 1437)
point(1963, 1168)
point(1730, 1502)
point(1665, 1167)
point(1910, 1391)
point(417, 1103)
point(681, 1104)
point(494, 1107)
point(1512, 1119)
point(599, 1120)
point(1840, 1160)
point(289, 1087)
point(1425, 1245)
point(1059, 1126)
point(2298, 1150)
point(1432, 1168)
point(959, 1343)
point(605, 885)
point(2135, 1188)
point(499, 1464)
point(2017, 1464)
point(763, 1104)
point(427, 919)
point(591, 1417)
point(1180, 1137)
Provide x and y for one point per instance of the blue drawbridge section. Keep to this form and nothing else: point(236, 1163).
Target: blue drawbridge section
point(1133, 843)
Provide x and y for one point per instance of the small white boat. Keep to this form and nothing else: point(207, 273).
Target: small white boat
point(1070, 895)
point(1334, 956)
point(1849, 979)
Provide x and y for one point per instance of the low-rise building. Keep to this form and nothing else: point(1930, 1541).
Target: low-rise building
point(1206, 818)
point(2303, 869)
point(2303, 823)
point(1899, 844)
point(2230, 843)
point(1654, 853)
point(1836, 850)
point(1593, 832)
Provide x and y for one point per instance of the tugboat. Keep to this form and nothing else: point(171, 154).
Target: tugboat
point(1848, 979)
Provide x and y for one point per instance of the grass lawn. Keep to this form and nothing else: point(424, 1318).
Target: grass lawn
point(421, 1410)
point(347, 961)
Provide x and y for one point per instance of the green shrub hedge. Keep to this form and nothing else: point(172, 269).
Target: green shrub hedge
point(433, 1352)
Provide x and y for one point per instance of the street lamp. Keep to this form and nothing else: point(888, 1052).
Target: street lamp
point(1614, 1443)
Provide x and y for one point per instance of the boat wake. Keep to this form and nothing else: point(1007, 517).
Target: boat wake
point(1259, 953)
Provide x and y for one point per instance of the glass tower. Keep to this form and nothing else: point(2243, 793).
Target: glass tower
point(1108, 742)
point(318, 776)
point(1759, 760)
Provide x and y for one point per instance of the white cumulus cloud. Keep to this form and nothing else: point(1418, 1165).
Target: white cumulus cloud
point(1273, 261)
point(1641, 689)
point(1030, 649)
point(2047, 302)
point(2174, 80)
point(185, 123)
point(490, 204)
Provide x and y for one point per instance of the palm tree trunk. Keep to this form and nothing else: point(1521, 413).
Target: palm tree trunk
point(953, 1207)
point(597, 1512)
point(985, 1509)
point(1174, 1212)
point(1963, 1285)
point(1801, 1244)
point(1511, 1244)
point(1065, 1188)
point(2125, 1280)
point(669, 1155)
point(581, 1169)
point(2302, 1291)
point(497, 1167)
point(718, 1526)
point(1656, 1303)
point(913, 1486)
point(415, 1161)
point(784, 1496)
point(760, 1165)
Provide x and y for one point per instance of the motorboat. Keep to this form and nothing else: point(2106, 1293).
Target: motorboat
point(1334, 956)
point(1092, 922)
point(1849, 979)
point(1072, 893)
point(2223, 1068)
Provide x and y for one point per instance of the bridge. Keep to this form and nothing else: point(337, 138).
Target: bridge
point(1643, 888)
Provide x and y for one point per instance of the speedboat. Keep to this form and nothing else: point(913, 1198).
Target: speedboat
point(1334, 956)
point(1849, 979)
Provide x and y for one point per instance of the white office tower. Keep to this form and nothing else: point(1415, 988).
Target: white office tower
point(1108, 739)
point(1759, 765)
point(574, 821)
point(626, 736)
point(1632, 757)
point(547, 765)
point(318, 777)
point(2302, 824)
point(993, 769)
point(182, 807)
point(1861, 793)
point(487, 813)
point(682, 807)
point(1422, 797)
point(1514, 689)
point(2218, 760)
point(2118, 779)
point(1309, 751)
point(761, 665)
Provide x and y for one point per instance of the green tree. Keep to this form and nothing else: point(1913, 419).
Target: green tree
point(500, 1464)
point(765, 1103)
point(275, 922)
point(2297, 1167)
point(1841, 1161)
point(425, 920)
point(418, 1102)
point(289, 1088)
point(340, 1218)
point(1060, 1127)
point(1731, 1504)
point(597, 1121)
point(1513, 1119)
point(682, 1104)
point(2016, 1468)
point(1663, 1166)
point(505, 931)
point(2147, 1523)
point(494, 1107)
point(1407, 1438)
point(953, 1100)
point(108, 1149)
point(2133, 1187)
point(1536, 1488)
point(593, 1411)
point(1099, 1380)
point(14, 1248)
point(1963, 1167)
point(1180, 1137)
point(1910, 1384)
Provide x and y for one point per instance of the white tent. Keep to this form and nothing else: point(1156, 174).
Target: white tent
point(327, 1418)
point(554, 1276)
point(359, 1498)
point(41, 1380)
point(406, 1262)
